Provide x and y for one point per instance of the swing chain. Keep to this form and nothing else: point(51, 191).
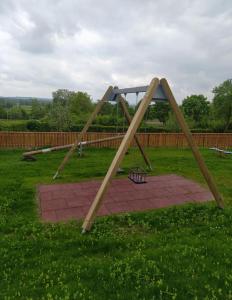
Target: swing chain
point(137, 97)
point(124, 116)
point(116, 128)
point(146, 118)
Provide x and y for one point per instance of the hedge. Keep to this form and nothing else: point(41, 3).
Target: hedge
point(35, 125)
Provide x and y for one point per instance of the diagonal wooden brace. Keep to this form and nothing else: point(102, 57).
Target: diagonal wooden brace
point(84, 130)
point(183, 125)
point(89, 219)
point(129, 119)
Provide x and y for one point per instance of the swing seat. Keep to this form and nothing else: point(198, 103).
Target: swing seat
point(137, 175)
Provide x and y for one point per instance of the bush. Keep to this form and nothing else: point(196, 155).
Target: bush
point(107, 120)
point(102, 128)
point(201, 130)
point(43, 126)
point(217, 126)
point(35, 125)
point(171, 124)
point(13, 125)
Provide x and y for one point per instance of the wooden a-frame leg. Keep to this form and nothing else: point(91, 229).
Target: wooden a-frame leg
point(129, 119)
point(204, 170)
point(84, 130)
point(120, 154)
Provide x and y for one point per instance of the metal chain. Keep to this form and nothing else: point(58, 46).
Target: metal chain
point(117, 117)
point(123, 128)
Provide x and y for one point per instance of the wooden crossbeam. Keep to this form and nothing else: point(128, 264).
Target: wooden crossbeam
point(120, 154)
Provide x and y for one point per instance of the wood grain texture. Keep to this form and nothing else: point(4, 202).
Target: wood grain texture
point(120, 154)
point(33, 140)
point(57, 148)
point(202, 166)
point(129, 119)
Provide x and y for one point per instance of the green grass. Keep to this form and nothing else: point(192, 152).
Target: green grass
point(176, 253)
point(5, 122)
point(27, 108)
point(9, 125)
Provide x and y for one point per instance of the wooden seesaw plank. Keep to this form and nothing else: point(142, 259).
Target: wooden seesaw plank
point(57, 148)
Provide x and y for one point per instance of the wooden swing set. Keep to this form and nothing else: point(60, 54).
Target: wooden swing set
point(157, 90)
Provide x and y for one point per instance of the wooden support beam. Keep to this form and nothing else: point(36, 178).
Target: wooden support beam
point(204, 170)
point(129, 119)
point(120, 154)
point(84, 130)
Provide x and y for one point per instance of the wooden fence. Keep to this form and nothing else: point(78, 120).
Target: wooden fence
point(30, 140)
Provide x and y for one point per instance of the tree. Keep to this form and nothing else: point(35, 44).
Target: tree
point(171, 123)
point(160, 110)
point(62, 97)
point(17, 112)
point(59, 115)
point(37, 109)
point(67, 107)
point(196, 107)
point(80, 103)
point(222, 102)
point(3, 113)
point(112, 114)
point(107, 109)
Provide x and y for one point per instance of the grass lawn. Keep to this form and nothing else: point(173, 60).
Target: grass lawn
point(6, 125)
point(181, 252)
point(4, 122)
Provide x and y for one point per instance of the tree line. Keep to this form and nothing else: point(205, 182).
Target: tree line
point(69, 110)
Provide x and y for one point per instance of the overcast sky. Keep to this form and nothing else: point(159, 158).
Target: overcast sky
point(87, 45)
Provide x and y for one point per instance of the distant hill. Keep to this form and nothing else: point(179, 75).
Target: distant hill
point(7, 102)
point(23, 99)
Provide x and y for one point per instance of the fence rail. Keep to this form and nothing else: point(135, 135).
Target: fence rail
point(30, 140)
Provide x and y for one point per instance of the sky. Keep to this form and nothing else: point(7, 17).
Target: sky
point(87, 45)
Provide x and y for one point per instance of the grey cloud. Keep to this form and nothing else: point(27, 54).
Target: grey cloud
point(89, 44)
